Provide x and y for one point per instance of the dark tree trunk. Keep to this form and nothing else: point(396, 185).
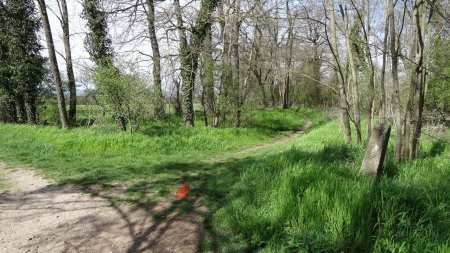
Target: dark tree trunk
point(30, 104)
point(53, 64)
point(11, 110)
point(235, 62)
point(22, 110)
point(224, 80)
point(420, 74)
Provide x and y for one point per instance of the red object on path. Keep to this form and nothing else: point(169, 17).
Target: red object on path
point(183, 192)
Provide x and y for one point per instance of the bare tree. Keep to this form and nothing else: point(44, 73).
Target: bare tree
point(340, 75)
point(394, 47)
point(53, 64)
point(353, 73)
point(69, 63)
point(383, 67)
point(157, 82)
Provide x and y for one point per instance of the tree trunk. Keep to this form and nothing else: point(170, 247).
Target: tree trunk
point(383, 67)
point(420, 73)
point(409, 106)
point(396, 86)
point(353, 81)
point(157, 83)
point(208, 77)
point(69, 64)
point(235, 61)
point(53, 64)
point(177, 102)
point(224, 79)
point(342, 91)
point(189, 54)
point(182, 51)
point(22, 109)
point(290, 44)
point(30, 105)
point(11, 109)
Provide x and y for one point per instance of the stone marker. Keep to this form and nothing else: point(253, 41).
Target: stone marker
point(376, 151)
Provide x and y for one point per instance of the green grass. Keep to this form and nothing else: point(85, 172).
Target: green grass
point(301, 196)
point(159, 151)
point(307, 196)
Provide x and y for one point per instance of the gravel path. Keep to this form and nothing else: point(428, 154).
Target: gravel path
point(37, 216)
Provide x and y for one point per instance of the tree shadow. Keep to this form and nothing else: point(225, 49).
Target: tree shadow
point(437, 148)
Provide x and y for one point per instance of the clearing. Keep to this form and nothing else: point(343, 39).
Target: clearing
point(41, 216)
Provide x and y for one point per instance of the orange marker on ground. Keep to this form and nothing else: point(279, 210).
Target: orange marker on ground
point(183, 192)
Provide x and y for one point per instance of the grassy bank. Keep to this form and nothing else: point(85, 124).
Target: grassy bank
point(306, 196)
point(159, 151)
point(301, 196)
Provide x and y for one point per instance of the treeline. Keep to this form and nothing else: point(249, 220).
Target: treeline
point(381, 60)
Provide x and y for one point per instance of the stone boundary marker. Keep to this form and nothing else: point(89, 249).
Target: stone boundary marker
point(372, 164)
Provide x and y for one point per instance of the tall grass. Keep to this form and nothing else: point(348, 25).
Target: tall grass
point(310, 198)
point(90, 156)
point(302, 196)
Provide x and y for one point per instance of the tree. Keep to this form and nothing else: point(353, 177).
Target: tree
point(343, 104)
point(351, 58)
point(394, 47)
point(69, 63)
point(100, 50)
point(8, 103)
point(22, 66)
point(207, 78)
point(157, 83)
point(54, 64)
point(189, 58)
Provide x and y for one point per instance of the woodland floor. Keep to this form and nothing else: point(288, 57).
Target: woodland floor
point(41, 216)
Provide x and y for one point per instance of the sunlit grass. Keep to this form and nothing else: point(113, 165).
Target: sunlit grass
point(308, 197)
point(301, 196)
point(159, 150)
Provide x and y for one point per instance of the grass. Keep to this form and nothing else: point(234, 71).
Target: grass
point(301, 196)
point(158, 152)
point(307, 196)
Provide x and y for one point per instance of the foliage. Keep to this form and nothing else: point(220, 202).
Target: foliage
point(438, 95)
point(21, 65)
point(124, 93)
point(97, 42)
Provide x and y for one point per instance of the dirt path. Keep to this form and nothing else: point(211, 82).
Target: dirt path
point(278, 142)
point(38, 216)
